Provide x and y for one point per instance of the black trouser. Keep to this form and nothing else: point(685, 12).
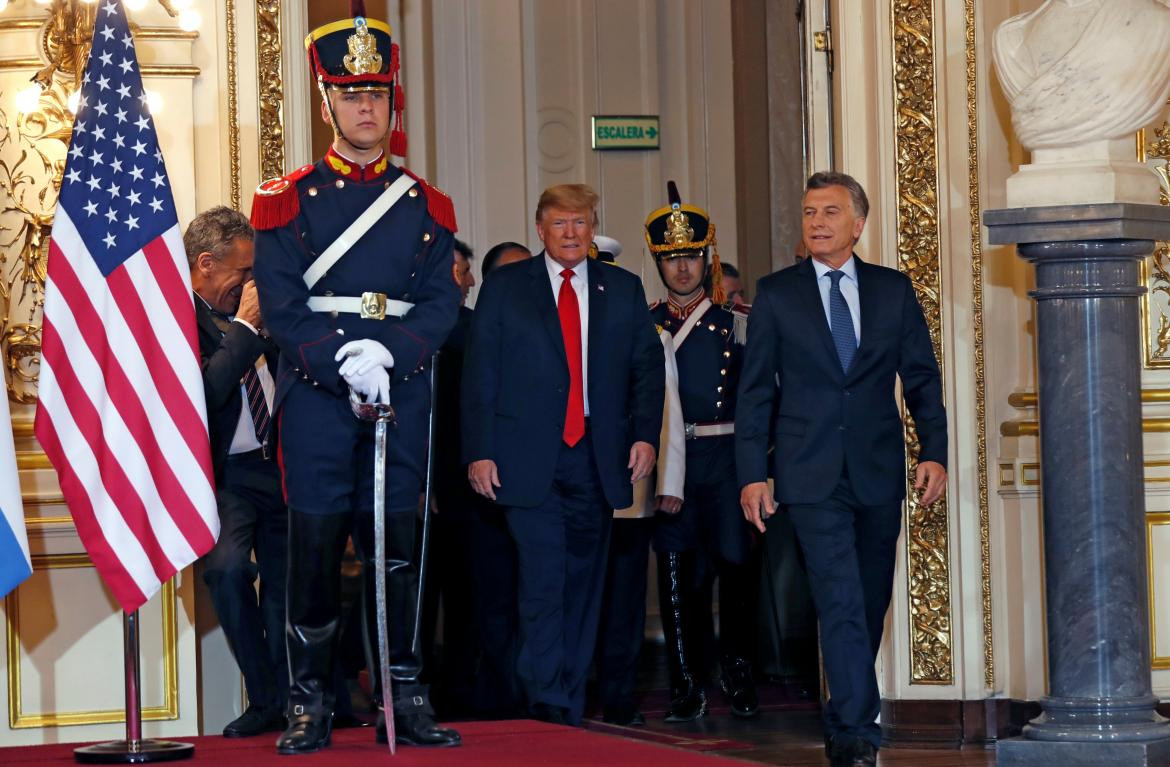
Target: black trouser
point(623, 612)
point(316, 546)
point(562, 545)
point(252, 517)
point(850, 550)
point(472, 573)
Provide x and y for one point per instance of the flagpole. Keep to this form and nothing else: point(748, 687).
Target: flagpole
point(134, 749)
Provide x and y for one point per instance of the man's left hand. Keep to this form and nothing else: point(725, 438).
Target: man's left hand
point(930, 481)
point(641, 461)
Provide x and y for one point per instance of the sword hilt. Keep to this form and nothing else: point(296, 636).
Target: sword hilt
point(376, 412)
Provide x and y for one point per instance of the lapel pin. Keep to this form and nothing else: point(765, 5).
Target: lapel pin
point(601, 288)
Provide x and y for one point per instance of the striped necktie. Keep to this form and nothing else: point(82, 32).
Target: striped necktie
point(841, 322)
point(257, 404)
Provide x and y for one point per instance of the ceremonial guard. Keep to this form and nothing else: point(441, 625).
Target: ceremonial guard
point(353, 266)
point(708, 536)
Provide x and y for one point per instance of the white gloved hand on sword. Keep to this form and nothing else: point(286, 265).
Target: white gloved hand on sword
point(365, 367)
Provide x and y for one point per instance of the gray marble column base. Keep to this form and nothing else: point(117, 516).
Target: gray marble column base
point(1021, 752)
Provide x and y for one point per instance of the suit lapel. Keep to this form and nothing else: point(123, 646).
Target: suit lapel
point(870, 305)
point(810, 293)
point(203, 319)
point(546, 305)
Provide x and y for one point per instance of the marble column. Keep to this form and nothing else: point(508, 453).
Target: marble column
point(1100, 707)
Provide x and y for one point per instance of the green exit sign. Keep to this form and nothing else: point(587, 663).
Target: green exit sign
point(625, 131)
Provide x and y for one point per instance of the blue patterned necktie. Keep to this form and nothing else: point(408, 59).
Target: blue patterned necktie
point(841, 322)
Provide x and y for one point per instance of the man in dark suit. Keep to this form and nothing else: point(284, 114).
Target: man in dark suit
point(237, 379)
point(825, 340)
point(562, 407)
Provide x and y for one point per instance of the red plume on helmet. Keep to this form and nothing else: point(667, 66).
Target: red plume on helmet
point(357, 8)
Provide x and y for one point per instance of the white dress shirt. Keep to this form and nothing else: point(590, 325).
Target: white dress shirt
point(580, 283)
point(848, 290)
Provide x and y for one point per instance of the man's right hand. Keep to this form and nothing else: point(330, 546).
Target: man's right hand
point(373, 385)
point(483, 477)
point(249, 310)
point(756, 501)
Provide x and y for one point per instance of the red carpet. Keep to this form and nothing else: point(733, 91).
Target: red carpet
point(485, 744)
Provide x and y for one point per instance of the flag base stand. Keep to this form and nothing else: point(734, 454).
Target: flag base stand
point(133, 752)
point(134, 749)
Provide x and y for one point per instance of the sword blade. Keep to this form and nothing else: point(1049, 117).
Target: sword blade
point(380, 578)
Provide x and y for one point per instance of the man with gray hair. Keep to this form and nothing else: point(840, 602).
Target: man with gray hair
point(237, 359)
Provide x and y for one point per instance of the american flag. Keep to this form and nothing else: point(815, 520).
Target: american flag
point(121, 413)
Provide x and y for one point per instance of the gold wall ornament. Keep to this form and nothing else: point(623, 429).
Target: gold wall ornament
point(32, 159)
point(1155, 269)
point(975, 222)
point(268, 54)
point(916, 158)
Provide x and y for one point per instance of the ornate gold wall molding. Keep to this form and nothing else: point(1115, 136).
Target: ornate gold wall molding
point(971, 45)
point(1155, 273)
point(916, 157)
point(268, 55)
point(18, 719)
point(233, 102)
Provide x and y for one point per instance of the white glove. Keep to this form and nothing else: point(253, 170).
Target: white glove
point(362, 356)
point(373, 385)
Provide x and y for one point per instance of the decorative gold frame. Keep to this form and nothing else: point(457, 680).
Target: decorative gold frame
point(269, 53)
point(976, 224)
point(233, 102)
point(1155, 269)
point(916, 156)
point(18, 719)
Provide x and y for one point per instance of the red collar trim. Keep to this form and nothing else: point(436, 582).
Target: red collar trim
point(682, 312)
point(346, 168)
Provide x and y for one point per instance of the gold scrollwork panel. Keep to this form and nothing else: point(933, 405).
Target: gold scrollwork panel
point(916, 157)
point(1155, 270)
point(35, 629)
point(268, 46)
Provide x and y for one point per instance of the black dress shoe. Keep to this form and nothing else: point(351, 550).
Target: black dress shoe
point(687, 706)
point(542, 712)
point(852, 752)
point(740, 688)
point(623, 717)
point(309, 730)
point(864, 754)
point(255, 721)
point(414, 723)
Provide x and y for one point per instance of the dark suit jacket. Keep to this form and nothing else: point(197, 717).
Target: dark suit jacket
point(794, 395)
point(516, 379)
point(225, 359)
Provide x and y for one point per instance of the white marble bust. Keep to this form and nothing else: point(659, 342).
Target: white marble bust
point(1081, 76)
point(1077, 71)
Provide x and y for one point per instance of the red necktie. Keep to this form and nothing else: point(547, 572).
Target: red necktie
point(570, 311)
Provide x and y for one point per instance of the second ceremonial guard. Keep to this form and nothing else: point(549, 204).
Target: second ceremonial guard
point(353, 268)
point(708, 536)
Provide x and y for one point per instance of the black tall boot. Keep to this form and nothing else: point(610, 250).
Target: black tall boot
point(414, 722)
point(676, 572)
point(316, 543)
point(737, 626)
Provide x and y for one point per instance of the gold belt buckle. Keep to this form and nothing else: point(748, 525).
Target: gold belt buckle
point(373, 306)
